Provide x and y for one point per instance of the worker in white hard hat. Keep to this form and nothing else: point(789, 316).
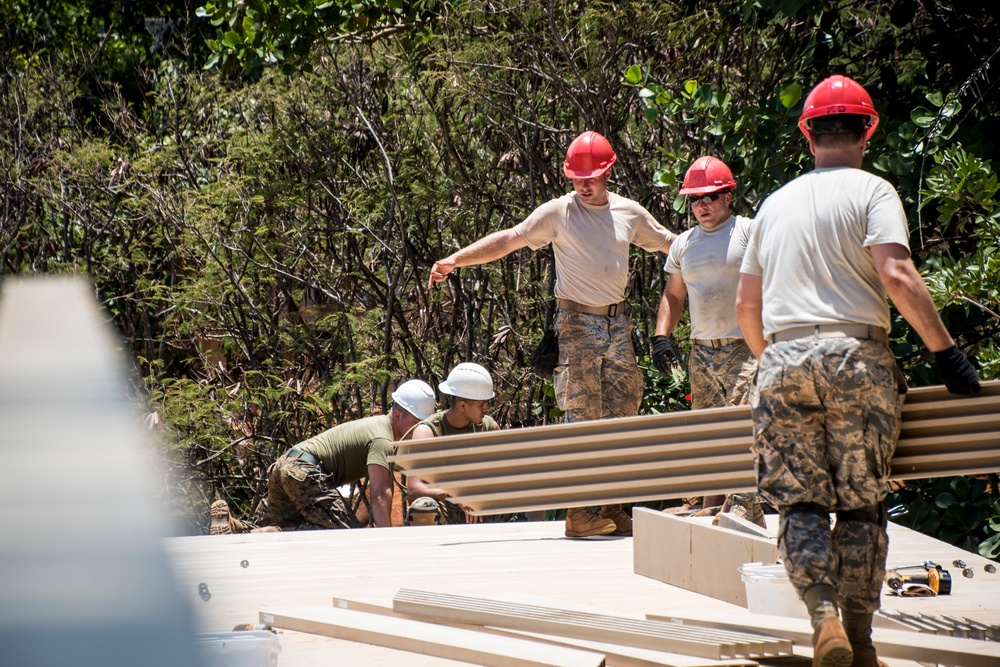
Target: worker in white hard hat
point(470, 390)
point(302, 483)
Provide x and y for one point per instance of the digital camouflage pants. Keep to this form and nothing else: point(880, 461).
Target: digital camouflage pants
point(826, 415)
point(299, 497)
point(597, 376)
point(721, 376)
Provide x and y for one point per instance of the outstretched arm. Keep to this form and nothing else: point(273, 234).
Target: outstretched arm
point(486, 249)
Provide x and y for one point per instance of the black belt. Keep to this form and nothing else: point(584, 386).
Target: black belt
point(717, 343)
point(299, 454)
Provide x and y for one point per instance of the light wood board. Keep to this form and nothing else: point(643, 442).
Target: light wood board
point(615, 655)
point(613, 629)
point(429, 638)
point(949, 651)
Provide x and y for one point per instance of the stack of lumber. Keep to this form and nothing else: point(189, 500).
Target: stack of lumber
point(495, 632)
point(676, 455)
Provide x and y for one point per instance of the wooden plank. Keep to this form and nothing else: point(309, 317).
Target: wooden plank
point(696, 555)
point(659, 457)
point(429, 639)
point(613, 629)
point(895, 644)
point(614, 655)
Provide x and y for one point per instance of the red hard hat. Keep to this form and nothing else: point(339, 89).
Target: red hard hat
point(838, 95)
point(707, 175)
point(589, 156)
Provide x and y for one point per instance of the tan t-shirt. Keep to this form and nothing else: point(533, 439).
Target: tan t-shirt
point(346, 450)
point(709, 261)
point(810, 247)
point(591, 244)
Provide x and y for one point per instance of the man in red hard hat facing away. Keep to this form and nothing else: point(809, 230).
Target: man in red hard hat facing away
point(825, 251)
point(703, 268)
point(590, 230)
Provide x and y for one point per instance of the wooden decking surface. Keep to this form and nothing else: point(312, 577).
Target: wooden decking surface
point(497, 561)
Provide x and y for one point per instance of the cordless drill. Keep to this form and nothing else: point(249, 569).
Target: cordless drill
point(927, 578)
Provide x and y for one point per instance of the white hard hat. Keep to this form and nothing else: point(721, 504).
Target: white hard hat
point(416, 397)
point(470, 381)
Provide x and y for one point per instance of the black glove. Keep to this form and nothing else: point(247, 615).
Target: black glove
point(545, 357)
point(956, 372)
point(665, 356)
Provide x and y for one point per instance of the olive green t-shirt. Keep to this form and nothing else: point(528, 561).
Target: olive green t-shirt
point(437, 423)
point(346, 450)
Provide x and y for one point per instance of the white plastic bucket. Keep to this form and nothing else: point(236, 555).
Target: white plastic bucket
point(770, 592)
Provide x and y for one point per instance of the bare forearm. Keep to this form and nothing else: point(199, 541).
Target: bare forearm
point(382, 510)
point(418, 488)
point(486, 249)
point(909, 294)
point(914, 302)
point(669, 315)
point(749, 308)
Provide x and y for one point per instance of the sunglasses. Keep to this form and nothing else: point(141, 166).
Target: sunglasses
point(705, 199)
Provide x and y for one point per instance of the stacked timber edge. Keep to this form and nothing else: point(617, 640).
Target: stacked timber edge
point(677, 454)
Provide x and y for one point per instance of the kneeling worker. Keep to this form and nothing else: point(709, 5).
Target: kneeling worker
point(471, 388)
point(302, 484)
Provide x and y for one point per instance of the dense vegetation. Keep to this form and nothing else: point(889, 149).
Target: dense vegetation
point(261, 230)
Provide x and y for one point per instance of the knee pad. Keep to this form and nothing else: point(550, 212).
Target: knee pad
point(874, 514)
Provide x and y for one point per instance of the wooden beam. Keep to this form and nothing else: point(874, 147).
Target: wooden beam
point(612, 629)
point(675, 455)
point(429, 639)
point(896, 644)
point(614, 655)
point(695, 555)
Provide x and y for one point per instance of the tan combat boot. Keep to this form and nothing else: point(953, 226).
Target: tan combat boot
point(581, 522)
point(219, 513)
point(623, 522)
point(830, 645)
point(747, 506)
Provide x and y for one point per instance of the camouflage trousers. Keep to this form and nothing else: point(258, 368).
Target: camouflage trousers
point(300, 497)
point(826, 416)
point(721, 376)
point(597, 376)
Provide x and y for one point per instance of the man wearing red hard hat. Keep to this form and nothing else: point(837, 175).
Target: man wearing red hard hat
point(591, 231)
point(825, 251)
point(703, 268)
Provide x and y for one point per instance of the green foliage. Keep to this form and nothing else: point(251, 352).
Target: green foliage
point(264, 245)
point(252, 34)
point(960, 511)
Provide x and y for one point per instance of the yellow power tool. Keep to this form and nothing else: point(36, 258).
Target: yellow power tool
point(925, 579)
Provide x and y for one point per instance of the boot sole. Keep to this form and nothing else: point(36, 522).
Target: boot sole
point(836, 654)
point(591, 533)
point(219, 512)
